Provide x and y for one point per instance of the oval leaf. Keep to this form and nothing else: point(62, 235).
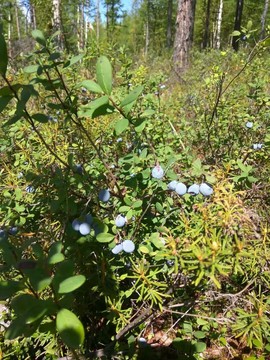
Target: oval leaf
point(105, 237)
point(132, 96)
point(121, 126)
point(91, 86)
point(104, 74)
point(70, 284)
point(40, 118)
point(70, 328)
point(4, 55)
point(39, 37)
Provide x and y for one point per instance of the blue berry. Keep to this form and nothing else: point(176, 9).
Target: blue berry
point(119, 140)
point(117, 249)
point(30, 189)
point(181, 189)
point(104, 195)
point(249, 124)
point(172, 185)
point(128, 246)
point(76, 224)
point(157, 172)
point(206, 190)
point(84, 229)
point(120, 220)
point(194, 189)
point(257, 146)
point(78, 169)
point(13, 230)
point(3, 235)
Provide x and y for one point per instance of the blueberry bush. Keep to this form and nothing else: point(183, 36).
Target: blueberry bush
point(134, 212)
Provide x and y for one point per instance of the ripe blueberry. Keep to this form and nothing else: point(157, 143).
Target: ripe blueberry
point(128, 246)
point(194, 189)
point(104, 195)
point(249, 124)
point(76, 224)
point(117, 249)
point(172, 185)
point(157, 172)
point(78, 169)
point(206, 190)
point(13, 230)
point(120, 220)
point(84, 229)
point(30, 189)
point(181, 189)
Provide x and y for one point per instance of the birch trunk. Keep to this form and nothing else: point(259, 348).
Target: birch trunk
point(263, 19)
point(219, 22)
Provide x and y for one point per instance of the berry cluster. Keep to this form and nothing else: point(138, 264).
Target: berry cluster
point(180, 188)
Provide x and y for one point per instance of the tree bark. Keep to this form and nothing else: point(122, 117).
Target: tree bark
point(237, 23)
point(218, 28)
point(147, 28)
point(17, 21)
point(56, 20)
point(263, 19)
point(33, 22)
point(184, 33)
point(207, 23)
point(169, 24)
point(98, 19)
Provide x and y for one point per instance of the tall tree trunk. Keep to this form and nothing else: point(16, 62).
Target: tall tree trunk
point(184, 33)
point(9, 31)
point(206, 36)
point(33, 22)
point(237, 23)
point(17, 21)
point(56, 20)
point(147, 29)
point(218, 28)
point(98, 19)
point(263, 19)
point(169, 24)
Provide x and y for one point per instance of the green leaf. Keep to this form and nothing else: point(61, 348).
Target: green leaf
point(121, 126)
point(96, 108)
point(3, 56)
point(73, 60)
point(199, 334)
point(132, 96)
point(91, 86)
point(4, 100)
point(147, 113)
point(55, 253)
point(31, 69)
point(200, 347)
point(236, 33)
point(144, 249)
point(40, 118)
point(70, 328)
point(70, 284)
point(39, 37)
point(104, 74)
point(39, 279)
point(104, 237)
point(15, 329)
point(9, 288)
point(140, 125)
